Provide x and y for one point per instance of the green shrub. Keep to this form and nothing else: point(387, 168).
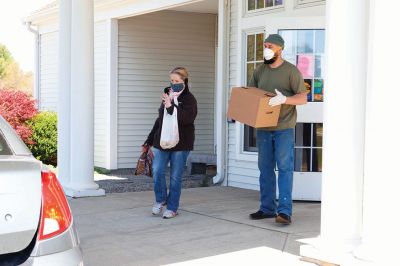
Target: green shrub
point(101, 171)
point(44, 128)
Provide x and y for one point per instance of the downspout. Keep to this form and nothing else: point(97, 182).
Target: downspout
point(222, 70)
point(36, 88)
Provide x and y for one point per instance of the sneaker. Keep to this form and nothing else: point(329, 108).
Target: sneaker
point(283, 219)
point(169, 214)
point(261, 215)
point(157, 208)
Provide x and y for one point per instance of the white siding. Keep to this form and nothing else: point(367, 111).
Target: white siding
point(48, 71)
point(48, 83)
point(242, 174)
point(101, 87)
point(149, 47)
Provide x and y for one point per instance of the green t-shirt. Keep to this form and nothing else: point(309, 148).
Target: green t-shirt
point(288, 80)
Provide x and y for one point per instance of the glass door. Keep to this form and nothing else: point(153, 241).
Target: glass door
point(305, 48)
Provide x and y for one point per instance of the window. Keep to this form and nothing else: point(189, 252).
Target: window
point(254, 57)
point(308, 147)
point(4, 149)
point(255, 53)
point(258, 5)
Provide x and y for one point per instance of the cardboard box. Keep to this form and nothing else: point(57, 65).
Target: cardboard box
point(250, 106)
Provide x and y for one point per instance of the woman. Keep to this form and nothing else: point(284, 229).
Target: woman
point(186, 108)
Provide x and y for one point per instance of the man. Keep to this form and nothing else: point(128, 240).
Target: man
point(276, 144)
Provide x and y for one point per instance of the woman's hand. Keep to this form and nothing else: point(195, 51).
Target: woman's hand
point(166, 100)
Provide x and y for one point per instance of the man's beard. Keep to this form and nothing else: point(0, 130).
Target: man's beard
point(270, 61)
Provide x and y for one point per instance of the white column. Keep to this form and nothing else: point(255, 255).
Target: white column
point(344, 116)
point(382, 142)
point(112, 94)
point(82, 102)
point(64, 92)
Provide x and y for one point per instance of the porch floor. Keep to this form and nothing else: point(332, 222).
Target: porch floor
point(119, 229)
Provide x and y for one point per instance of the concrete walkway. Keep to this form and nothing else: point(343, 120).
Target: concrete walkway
point(212, 226)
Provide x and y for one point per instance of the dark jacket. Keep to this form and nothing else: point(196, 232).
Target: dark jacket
point(187, 112)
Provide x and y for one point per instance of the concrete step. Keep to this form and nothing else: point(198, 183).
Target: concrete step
point(124, 180)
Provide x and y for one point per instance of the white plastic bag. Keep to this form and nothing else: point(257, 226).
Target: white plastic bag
point(170, 130)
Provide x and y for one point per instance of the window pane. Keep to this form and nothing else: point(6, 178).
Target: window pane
point(251, 4)
point(258, 64)
point(4, 149)
point(318, 90)
point(305, 64)
point(250, 48)
point(291, 59)
point(301, 160)
point(269, 3)
point(260, 4)
point(317, 160)
point(318, 67)
point(250, 141)
point(320, 41)
point(259, 47)
point(290, 42)
point(303, 135)
point(317, 135)
point(253, 137)
point(305, 39)
point(308, 85)
point(250, 71)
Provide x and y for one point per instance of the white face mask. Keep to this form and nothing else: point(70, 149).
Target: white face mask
point(268, 54)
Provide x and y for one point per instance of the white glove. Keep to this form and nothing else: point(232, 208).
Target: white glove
point(278, 99)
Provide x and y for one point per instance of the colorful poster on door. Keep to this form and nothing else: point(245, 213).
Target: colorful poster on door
point(308, 85)
point(305, 63)
point(318, 90)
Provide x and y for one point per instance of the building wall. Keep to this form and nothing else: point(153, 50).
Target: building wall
point(240, 173)
point(48, 71)
point(49, 77)
point(100, 93)
point(149, 47)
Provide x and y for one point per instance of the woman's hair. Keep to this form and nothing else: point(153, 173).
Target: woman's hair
point(183, 73)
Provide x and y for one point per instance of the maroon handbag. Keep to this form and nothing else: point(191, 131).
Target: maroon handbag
point(145, 162)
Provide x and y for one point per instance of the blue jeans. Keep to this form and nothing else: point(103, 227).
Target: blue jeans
point(276, 148)
point(177, 161)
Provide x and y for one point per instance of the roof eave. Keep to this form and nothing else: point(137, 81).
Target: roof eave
point(40, 17)
point(51, 11)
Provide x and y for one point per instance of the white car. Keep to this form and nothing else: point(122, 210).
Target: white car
point(36, 224)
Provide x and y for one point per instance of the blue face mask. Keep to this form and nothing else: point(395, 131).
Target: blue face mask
point(177, 87)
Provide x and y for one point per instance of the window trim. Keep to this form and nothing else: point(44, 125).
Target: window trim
point(241, 153)
point(261, 11)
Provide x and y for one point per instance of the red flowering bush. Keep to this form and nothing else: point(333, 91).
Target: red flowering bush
point(17, 107)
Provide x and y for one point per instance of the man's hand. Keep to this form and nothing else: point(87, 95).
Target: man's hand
point(166, 100)
point(278, 99)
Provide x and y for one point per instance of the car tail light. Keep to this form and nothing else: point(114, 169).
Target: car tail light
point(56, 215)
